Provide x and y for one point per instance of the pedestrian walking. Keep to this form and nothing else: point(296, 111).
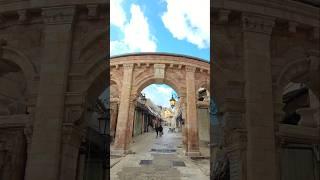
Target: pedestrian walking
point(157, 127)
point(160, 130)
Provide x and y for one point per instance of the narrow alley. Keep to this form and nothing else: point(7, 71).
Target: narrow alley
point(158, 158)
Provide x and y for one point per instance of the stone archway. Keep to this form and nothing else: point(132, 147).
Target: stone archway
point(139, 70)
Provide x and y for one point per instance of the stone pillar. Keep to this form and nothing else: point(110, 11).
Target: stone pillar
point(315, 104)
point(71, 141)
point(278, 117)
point(261, 151)
point(183, 128)
point(237, 155)
point(113, 118)
point(45, 152)
point(2, 43)
point(120, 145)
point(81, 166)
point(192, 123)
point(131, 119)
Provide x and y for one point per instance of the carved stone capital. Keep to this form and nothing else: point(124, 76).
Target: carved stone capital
point(223, 15)
point(128, 66)
point(59, 15)
point(92, 11)
point(23, 16)
point(257, 23)
point(191, 69)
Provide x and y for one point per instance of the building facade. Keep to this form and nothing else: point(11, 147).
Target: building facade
point(258, 48)
point(53, 68)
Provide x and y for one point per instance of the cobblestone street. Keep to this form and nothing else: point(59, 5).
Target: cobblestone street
point(158, 159)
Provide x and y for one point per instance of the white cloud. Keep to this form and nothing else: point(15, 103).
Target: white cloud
point(164, 90)
point(137, 36)
point(117, 14)
point(137, 33)
point(189, 20)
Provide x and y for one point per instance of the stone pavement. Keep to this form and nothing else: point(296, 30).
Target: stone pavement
point(158, 159)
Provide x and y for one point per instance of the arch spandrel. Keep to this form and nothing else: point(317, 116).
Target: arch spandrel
point(17, 57)
point(293, 70)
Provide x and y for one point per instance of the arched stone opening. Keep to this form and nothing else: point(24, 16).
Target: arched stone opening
point(136, 71)
point(147, 81)
point(93, 151)
point(296, 110)
point(14, 118)
point(13, 89)
point(86, 129)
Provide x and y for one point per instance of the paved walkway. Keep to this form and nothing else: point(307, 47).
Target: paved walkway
point(158, 159)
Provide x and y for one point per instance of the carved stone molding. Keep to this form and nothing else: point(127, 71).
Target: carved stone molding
point(59, 15)
point(159, 70)
point(257, 23)
point(236, 139)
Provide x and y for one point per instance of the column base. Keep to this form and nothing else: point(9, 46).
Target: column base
point(193, 154)
point(120, 152)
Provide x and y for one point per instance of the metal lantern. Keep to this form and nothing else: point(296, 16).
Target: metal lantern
point(172, 102)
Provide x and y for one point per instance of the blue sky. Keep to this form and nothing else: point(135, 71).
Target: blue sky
point(154, 91)
point(171, 26)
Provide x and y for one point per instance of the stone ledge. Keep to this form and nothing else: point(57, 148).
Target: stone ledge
point(299, 134)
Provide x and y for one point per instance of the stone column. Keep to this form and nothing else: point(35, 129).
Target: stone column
point(192, 123)
point(120, 145)
point(131, 119)
point(183, 128)
point(261, 151)
point(45, 152)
